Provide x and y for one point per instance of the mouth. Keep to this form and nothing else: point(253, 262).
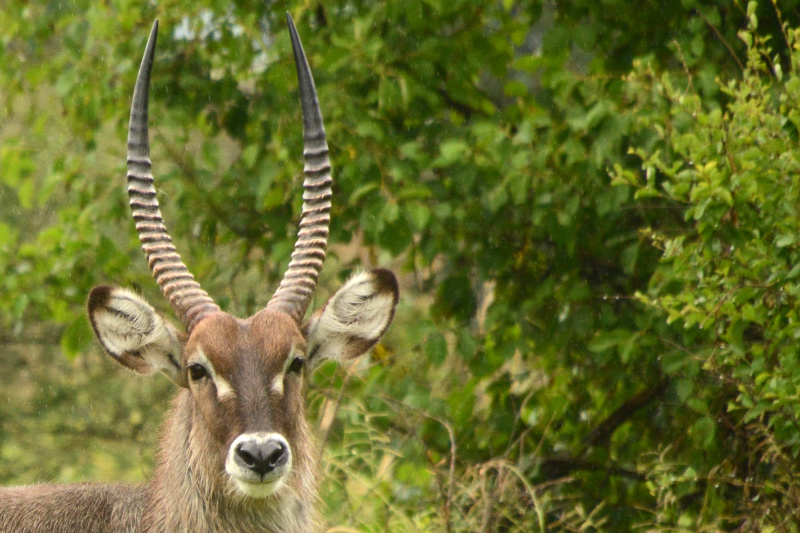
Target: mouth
point(258, 490)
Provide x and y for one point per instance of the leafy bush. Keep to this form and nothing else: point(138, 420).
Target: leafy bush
point(727, 279)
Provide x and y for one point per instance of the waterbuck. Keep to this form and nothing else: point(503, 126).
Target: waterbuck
point(236, 452)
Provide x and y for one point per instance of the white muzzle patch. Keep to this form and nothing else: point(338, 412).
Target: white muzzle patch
point(259, 463)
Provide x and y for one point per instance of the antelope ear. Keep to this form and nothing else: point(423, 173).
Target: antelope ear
point(354, 318)
point(134, 334)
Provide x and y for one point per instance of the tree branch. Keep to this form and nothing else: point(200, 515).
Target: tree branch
point(553, 468)
point(603, 431)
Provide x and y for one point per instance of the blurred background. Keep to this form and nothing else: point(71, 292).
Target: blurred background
point(592, 207)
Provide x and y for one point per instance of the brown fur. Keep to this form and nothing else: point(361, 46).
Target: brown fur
point(247, 353)
point(77, 508)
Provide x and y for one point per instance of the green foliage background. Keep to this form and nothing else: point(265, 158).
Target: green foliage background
point(593, 207)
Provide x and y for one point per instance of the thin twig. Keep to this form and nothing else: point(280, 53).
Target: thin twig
point(453, 450)
point(721, 38)
point(488, 499)
point(339, 395)
point(783, 30)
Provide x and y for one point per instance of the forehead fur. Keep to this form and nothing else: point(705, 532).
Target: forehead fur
point(225, 339)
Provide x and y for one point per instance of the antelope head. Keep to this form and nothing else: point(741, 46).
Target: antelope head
point(244, 377)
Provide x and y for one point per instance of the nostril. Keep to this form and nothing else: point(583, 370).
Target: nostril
point(244, 453)
point(261, 457)
point(277, 455)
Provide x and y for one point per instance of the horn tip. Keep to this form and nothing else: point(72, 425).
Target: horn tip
point(292, 29)
point(150, 48)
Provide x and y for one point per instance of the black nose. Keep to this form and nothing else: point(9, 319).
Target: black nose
point(261, 457)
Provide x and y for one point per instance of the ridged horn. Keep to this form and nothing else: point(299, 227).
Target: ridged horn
point(297, 287)
point(190, 302)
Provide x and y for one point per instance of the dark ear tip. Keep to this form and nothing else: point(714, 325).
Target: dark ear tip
point(99, 297)
point(385, 281)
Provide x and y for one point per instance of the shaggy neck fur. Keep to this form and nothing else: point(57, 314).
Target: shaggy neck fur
point(190, 491)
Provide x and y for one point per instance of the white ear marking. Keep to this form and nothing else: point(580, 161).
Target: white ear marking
point(355, 318)
point(133, 332)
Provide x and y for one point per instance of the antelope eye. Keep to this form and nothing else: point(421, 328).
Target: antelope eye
point(297, 364)
point(197, 371)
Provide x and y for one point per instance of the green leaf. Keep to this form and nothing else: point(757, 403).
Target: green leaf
point(249, 156)
point(455, 298)
point(604, 340)
point(451, 152)
point(436, 349)
point(371, 130)
point(76, 337)
point(362, 191)
point(785, 240)
point(419, 215)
